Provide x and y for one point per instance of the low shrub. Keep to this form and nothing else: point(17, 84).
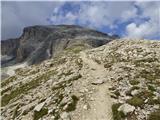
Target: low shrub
point(117, 115)
point(154, 115)
point(136, 101)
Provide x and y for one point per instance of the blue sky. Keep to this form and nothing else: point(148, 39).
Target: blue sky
point(127, 19)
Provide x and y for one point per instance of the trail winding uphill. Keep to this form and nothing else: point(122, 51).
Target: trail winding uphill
point(101, 105)
point(95, 84)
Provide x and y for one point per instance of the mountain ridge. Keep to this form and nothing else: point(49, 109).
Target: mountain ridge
point(39, 41)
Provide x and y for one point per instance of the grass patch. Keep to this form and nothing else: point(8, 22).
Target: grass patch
point(72, 105)
point(40, 114)
point(6, 90)
point(136, 101)
point(151, 88)
point(15, 112)
point(76, 48)
point(25, 87)
point(134, 82)
point(117, 115)
point(150, 75)
point(154, 115)
point(145, 94)
point(117, 93)
point(9, 80)
point(152, 101)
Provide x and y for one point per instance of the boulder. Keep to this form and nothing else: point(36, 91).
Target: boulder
point(126, 108)
point(39, 107)
point(135, 92)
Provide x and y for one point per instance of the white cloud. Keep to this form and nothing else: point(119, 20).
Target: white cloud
point(129, 14)
point(17, 15)
point(99, 14)
point(140, 31)
point(142, 17)
point(147, 29)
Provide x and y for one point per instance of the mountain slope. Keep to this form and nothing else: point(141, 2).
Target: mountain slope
point(115, 81)
point(39, 43)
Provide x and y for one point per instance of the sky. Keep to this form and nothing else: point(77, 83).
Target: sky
point(126, 19)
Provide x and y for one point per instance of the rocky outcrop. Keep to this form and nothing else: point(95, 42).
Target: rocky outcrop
point(117, 81)
point(133, 66)
point(39, 43)
point(8, 50)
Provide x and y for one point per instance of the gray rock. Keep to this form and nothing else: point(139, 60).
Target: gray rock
point(39, 107)
point(126, 108)
point(65, 116)
point(38, 43)
point(135, 92)
point(156, 106)
point(65, 100)
point(98, 82)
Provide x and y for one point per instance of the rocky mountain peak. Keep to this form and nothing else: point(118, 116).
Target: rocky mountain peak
point(38, 43)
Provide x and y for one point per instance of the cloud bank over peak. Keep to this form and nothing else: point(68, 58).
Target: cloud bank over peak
point(127, 19)
point(134, 19)
point(95, 14)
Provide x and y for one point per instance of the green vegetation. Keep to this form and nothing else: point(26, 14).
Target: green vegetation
point(26, 72)
point(154, 115)
point(136, 101)
point(25, 87)
point(117, 93)
point(151, 88)
point(6, 90)
point(76, 48)
point(72, 105)
point(117, 115)
point(134, 82)
point(15, 112)
point(152, 101)
point(151, 75)
point(145, 94)
point(40, 114)
point(7, 81)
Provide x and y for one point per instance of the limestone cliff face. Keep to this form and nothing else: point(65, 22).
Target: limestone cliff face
point(38, 43)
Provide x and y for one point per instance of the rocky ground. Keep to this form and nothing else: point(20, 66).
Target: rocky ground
point(117, 81)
